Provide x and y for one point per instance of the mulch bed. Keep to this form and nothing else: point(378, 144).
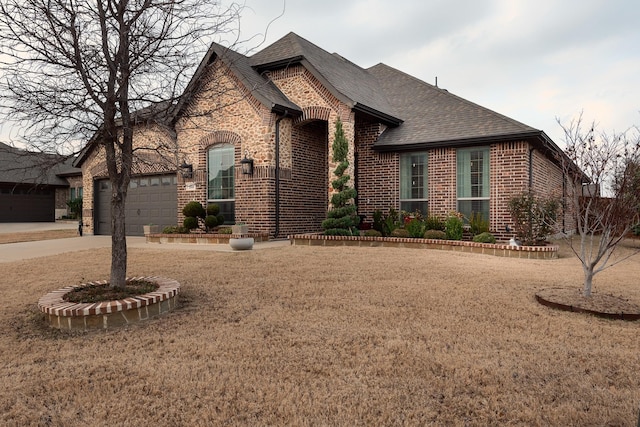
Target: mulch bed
point(601, 305)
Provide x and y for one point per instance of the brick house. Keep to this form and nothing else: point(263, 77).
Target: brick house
point(34, 186)
point(412, 146)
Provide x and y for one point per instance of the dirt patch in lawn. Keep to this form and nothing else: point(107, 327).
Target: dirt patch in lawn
point(32, 236)
point(325, 336)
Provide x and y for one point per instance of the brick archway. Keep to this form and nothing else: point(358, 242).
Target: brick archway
point(313, 113)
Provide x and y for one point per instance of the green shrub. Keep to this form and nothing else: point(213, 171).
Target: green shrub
point(174, 229)
point(225, 230)
point(415, 228)
point(636, 229)
point(391, 222)
point(477, 224)
point(485, 237)
point(213, 209)
point(435, 234)
point(210, 221)
point(400, 232)
point(372, 233)
point(75, 206)
point(194, 209)
point(454, 227)
point(533, 217)
point(220, 218)
point(378, 221)
point(190, 222)
point(433, 223)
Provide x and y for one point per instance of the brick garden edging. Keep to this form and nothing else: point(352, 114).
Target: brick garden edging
point(504, 250)
point(202, 238)
point(66, 315)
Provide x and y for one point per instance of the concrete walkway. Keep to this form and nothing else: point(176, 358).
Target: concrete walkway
point(29, 250)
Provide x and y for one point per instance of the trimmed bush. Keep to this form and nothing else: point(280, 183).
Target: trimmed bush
point(435, 234)
point(194, 209)
point(485, 237)
point(400, 232)
point(213, 209)
point(210, 221)
point(190, 222)
point(373, 233)
point(225, 230)
point(220, 218)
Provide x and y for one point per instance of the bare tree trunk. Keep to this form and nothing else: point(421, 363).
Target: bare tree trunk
point(588, 280)
point(118, 238)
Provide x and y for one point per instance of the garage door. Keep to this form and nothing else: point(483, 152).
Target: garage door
point(150, 200)
point(27, 204)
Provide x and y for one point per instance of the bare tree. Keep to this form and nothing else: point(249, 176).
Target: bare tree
point(79, 70)
point(603, 193)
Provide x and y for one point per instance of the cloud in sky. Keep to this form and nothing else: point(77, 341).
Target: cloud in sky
point(530, 60)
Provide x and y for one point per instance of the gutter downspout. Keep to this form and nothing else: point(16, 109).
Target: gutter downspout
point(531, 150)
point(277, 195)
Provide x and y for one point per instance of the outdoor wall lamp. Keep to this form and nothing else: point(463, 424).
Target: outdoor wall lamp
point(246, 165)
point(186, 170)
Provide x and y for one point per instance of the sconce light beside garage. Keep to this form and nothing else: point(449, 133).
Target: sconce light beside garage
point(246, 165)
point(186, 170)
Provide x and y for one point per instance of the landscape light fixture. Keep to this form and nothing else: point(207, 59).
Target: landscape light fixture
point(186, 170)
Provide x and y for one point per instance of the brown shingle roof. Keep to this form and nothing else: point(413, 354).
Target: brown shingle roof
point(348, 82)
point(435, 116)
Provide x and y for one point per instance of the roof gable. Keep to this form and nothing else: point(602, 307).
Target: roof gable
point(348, 82)
point(435, 116)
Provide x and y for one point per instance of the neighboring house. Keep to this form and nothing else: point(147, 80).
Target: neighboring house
point(34, 187)
point(412, 146)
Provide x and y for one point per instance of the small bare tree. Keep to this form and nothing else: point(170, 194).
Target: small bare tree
point(603, 193)
point(79, 70)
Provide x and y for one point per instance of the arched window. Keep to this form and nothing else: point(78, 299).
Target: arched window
point(220, 188)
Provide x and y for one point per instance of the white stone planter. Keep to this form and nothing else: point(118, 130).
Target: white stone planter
point(241, 243)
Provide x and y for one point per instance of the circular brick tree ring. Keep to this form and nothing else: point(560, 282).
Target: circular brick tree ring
point(62, 314)
point(600, 305)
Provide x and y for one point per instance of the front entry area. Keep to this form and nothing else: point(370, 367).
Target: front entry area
point(150, 200)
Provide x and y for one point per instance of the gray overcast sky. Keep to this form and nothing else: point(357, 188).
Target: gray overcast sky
point(531, 60)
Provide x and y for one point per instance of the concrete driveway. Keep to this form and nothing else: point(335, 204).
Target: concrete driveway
point(28, 250)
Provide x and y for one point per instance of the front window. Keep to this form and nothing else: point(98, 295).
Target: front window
point(413, 182)
point(75, 193)
point(220, 161)
point(473, 181)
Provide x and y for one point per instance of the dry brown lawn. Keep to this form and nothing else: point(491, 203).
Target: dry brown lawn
point(33, 236)
point(325, 336)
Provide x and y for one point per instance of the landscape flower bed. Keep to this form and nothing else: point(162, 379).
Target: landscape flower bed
point(498, 249)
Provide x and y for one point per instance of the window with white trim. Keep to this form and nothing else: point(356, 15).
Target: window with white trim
point(414, 194)
point(473, 181)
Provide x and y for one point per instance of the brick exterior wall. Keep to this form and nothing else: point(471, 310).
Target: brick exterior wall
point(509, 176)
point(378, 173)
point(303, 194)
point(441, 169)
point(224, 112)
